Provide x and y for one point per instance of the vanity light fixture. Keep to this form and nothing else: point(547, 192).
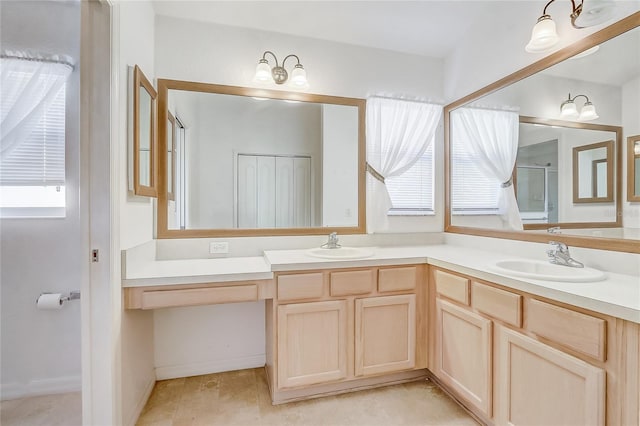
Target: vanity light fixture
point(278, 74)
point(584, 13)
point(569, 110)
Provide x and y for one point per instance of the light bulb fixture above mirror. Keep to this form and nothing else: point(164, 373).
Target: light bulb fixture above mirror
point(586, 13)
point(279, 75)
point(569, 110)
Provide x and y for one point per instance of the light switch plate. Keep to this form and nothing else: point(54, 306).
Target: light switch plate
point(219, 247)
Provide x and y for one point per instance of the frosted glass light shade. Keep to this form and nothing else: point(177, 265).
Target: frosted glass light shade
point(588, 112)
point(543, 35)
point(569, 110)
point(263, 72)
point(298, 78)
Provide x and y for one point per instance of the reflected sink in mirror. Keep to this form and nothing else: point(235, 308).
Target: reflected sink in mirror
point(545, 271)
point(352, 253)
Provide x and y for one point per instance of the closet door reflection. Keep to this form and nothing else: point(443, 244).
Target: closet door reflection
point(273, 191)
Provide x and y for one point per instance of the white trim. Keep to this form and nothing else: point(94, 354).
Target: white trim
point(41, 387)
point(135, 414)
point(209, 367)
point(99, 166)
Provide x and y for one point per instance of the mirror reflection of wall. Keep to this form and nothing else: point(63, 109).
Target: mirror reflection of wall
point(287, 161)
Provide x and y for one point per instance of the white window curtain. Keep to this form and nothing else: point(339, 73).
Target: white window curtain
point(398, 133)
point(28, 86)
point(492, 139)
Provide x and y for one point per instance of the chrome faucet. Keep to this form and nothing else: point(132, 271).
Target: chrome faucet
point(559, 254)
point(332, 242)
point(554, 230)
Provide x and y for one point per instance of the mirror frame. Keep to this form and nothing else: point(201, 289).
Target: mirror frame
point(608, 146)
point(631, 246)
point(162, 230)
point(141, 81)
point(631, 169)
point(618, 177)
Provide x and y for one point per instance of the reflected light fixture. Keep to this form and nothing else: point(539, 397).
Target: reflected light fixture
point(636, 148)
point(278, 74)
point(569, 110)
point(584, 13)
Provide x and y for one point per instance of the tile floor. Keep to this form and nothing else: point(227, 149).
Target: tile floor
point(49, 410)
point(242, 398)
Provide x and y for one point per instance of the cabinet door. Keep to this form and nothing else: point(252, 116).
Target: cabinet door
point(463, 353)
point(385, 334)
point(540, 385)
point(312, 343)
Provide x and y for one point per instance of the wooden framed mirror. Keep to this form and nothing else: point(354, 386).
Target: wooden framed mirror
point(593, 173)
point(256, 162)
point(144, 135)
point(633, 168)
point(536, 92)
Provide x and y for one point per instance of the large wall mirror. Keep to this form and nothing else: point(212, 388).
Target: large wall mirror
point(243, 161)
point(556, 173)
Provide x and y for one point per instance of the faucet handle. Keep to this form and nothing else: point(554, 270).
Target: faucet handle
point(558, 246)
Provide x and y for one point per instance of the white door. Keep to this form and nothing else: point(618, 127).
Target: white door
point(284, 193)
point(302, 192)
point(266, 187)
point(247, 191)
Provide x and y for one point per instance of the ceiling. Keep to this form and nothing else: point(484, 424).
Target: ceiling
point(428, 27)
point(431, 28)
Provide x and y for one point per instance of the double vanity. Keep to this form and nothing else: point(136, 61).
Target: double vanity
point(503, 335)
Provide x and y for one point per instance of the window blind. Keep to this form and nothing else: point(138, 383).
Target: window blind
point(471, 191)
point(39, 160)
point(412, 192)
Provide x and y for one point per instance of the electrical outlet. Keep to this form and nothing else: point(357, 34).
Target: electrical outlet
point(219, 247)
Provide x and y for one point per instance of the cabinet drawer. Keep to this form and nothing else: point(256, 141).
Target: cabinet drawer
point(497, 303)
point(352, 282)
point(452, 286)
point(300, 286)
point(199, 296)
point(574, 330)
point(397, 279)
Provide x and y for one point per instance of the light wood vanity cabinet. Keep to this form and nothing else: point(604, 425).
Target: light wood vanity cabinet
point(539, 385)
point(517, 359)
point(464, 353)
point(312, 342)
point(335, 330)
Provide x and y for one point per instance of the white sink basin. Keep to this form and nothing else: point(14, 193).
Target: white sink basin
point(546, 271)
point(341, 253)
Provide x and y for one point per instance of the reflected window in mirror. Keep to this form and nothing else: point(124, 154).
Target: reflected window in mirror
point(483, 156)
point(633, 168)
point(257, 162)
point(593, 173)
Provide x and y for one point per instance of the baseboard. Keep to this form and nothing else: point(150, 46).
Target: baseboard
point(40, 387)
point(197, 369)
point(137, 410)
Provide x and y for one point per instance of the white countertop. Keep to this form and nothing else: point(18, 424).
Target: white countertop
point(618, 295)
point(195, 271)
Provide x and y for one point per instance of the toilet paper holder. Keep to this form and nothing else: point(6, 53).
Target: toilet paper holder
point(73, 295)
